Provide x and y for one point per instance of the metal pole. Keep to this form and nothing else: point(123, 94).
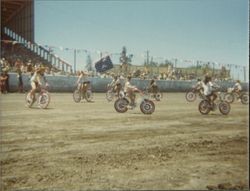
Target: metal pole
point(213, 69)
point(196, 71)
point(244, 70)
point(74, 60)
point(147, 57)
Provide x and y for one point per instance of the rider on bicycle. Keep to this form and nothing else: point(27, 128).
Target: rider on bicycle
point(130, 90)
point(153, 86)
point(209, 91)
point(116, 84)
point(237, 87)
point(82, 81)
point(35, 80)
point(198, 86)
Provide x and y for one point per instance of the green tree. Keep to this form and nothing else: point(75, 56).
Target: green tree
point(223, 72)
point(125, 60)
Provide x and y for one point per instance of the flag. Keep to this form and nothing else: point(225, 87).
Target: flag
point(103, 64)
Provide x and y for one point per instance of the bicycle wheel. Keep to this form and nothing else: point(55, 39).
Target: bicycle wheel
point(158, 96)
point(147, 106)
point(244, 98)
point(204, 107)
point(121, 105)
point(89, 95)
point(110, 95)
point(77, 96)
point(29, 100)
point(229, 97)
point(221, 96)
point(43, 100)
point(190, 96)
point(224, 107)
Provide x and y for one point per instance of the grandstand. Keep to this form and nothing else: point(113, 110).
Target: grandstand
point(18, 38)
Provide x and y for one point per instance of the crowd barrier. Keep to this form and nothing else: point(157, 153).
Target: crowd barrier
point(62, 83)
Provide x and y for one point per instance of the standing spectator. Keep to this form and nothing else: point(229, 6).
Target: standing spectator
point(29, 67)
point(6, 70)
point(3, 81)
point(18, 65)
point(20, 80)
point(153, 86)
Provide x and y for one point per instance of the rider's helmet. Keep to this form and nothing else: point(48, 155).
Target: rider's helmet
point(40, 69)
point(207, 79)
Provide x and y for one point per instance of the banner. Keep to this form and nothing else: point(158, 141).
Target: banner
point(103, 64)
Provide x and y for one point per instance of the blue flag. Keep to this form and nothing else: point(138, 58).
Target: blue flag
point(103, 64)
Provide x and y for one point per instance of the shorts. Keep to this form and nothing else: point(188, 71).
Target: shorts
point(34, 85)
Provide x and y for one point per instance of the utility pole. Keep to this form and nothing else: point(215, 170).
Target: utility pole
point(231, 70)
point(147, 57)
point(74, 60)
point(175, 63)
point(196, 71)
point(244, 70)
point(213, 69)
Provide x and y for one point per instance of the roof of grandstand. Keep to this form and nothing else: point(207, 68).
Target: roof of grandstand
point(10, 9)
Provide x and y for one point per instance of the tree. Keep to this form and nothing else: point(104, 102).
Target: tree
point(125, 60)
point(223, 72)
point(166, 63)
point(206, 69)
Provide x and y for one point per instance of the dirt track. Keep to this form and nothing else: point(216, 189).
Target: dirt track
point(82, 146)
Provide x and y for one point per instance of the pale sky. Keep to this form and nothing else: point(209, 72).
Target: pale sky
point(206, 30)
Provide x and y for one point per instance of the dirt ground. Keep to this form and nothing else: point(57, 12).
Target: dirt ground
point(89, 146)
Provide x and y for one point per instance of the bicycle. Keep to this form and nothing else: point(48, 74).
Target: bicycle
point(111, 93)
point(83, 92)
point(157, 95)
point(192, 94)
point(231, 96)
point(147, 106)
point(43, 98)
point(205, 106)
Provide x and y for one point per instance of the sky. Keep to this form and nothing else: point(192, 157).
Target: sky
point(189, 30)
